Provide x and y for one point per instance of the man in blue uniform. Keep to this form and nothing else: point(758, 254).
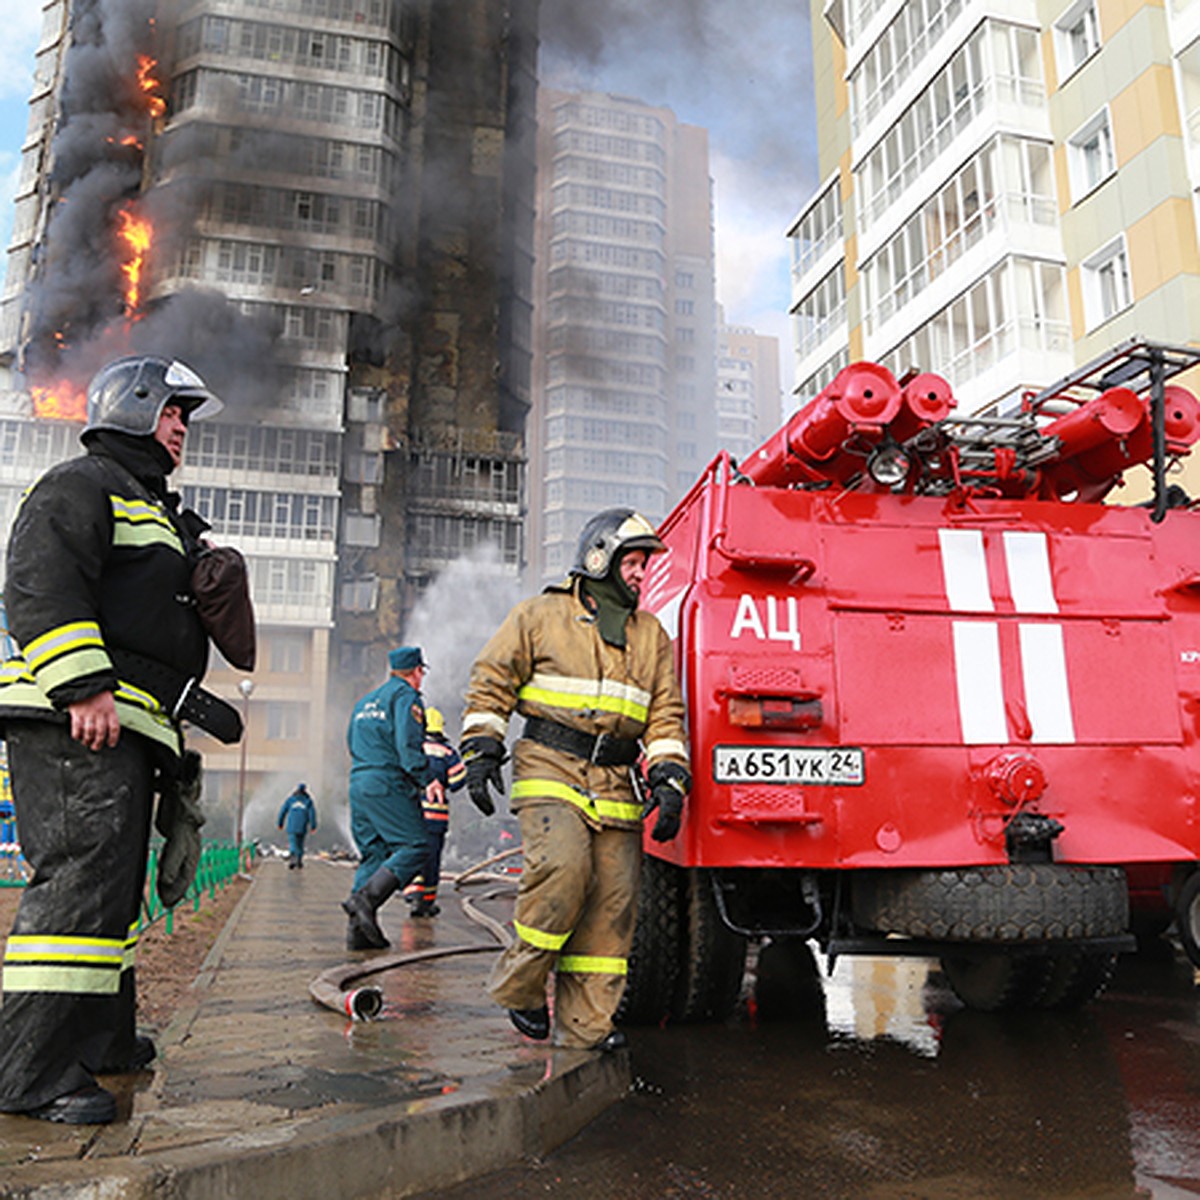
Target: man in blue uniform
point(388, 775)
point(297, 816)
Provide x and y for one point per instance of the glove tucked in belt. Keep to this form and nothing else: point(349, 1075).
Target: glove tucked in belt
point(600, 749)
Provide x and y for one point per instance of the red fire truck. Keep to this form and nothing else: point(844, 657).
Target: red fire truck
point(942, 699)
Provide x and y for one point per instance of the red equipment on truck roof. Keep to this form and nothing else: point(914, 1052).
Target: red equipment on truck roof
point(939, 696)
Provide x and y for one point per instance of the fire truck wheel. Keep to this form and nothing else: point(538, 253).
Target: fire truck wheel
point(991, 980)
point(1077, 978)
point(654, 960)
point(714, 958)
point(1015, 902)
point(1187, 918)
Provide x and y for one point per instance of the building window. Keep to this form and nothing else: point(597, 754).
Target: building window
point(1076, 37)
point(360, 595)
point(1090, 155)
point(283, 721)
point(1106, 287)
point(286, 653)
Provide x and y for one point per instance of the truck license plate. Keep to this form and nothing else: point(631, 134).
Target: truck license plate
point(839, 765)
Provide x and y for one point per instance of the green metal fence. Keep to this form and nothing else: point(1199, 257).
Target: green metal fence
point(219, 863)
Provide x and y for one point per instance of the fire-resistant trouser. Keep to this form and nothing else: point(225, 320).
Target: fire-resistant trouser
point(296, 846)
point(431, 868)
point(389, 831)
point(83, 819)
point(576, 911)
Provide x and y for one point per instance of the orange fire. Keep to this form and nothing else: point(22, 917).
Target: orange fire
point(62, 402)
point(136, 233)
point(151, 86)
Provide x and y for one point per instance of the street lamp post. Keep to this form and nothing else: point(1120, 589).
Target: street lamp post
point(245, 687)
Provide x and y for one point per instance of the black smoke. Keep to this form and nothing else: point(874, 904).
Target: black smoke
point(75, 301)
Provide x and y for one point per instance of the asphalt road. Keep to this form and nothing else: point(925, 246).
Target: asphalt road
point(875, 1084)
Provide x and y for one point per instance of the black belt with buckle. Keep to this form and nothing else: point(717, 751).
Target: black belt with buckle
point(601, 749)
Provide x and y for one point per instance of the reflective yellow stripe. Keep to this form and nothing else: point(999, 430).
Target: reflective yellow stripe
point(63, 639)
point(593, 806)
point(46, 962)
point(617, 810)
point(140, 523)
point(72, 666)
point(540, 939)
point(130, 948)
point(155, 725)
point(553, 790)
point(587, 695)
point(135, 695)
point(146, 535)
point(15, 671)
point(591, 964)
point(80, 980)
point(64, 946)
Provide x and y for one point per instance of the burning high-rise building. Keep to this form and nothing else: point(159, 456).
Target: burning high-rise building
point(324, 207)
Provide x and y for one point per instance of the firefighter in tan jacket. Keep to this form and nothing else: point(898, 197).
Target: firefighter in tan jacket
point(594, 679)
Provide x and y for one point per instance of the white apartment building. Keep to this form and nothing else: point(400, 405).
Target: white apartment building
point(934, 242)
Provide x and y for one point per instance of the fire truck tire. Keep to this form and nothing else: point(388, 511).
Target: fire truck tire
point(1077, 978)
point(993, 980)
point(653, 967)
point(1187, 918)
point(1016, 902)
point(714, 957)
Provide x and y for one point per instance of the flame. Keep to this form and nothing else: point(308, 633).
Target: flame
point(136, 233)
point(151, 86)
point(62, 402)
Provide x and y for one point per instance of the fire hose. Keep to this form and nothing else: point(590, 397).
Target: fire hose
point(340, 988)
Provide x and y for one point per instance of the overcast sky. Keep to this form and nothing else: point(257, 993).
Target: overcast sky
point(740, 68)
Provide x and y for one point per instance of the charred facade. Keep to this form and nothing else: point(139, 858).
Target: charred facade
point(340, 194)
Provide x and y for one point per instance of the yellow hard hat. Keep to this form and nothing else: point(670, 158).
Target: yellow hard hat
point(434, 721)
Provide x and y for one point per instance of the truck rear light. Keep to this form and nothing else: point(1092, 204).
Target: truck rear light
point(775, 712)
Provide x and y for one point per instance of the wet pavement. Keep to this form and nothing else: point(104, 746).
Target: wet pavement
point(876, 1085)
point(260, 1091)
point(870, 1084)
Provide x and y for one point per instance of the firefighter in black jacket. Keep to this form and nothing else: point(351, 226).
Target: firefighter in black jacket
point(99, 602)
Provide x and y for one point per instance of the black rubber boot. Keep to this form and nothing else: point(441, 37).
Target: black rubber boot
point(139, 1058)
point(532, 1022)
point(362, 905)
point(426, 908)
point(90, 1105)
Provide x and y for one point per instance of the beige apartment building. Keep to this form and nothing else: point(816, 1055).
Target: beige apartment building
point(1009, 189)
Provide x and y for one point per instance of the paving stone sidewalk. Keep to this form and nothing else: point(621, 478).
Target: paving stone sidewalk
point(261, 1092)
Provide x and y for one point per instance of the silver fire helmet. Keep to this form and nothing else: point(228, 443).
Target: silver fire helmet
point(608, 535)
point(128, 394)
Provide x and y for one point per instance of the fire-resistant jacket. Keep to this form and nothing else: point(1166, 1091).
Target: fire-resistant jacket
point(95, 563)
point(445, 766)
point(548, 660)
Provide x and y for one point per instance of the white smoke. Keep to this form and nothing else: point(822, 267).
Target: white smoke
point(455, 616)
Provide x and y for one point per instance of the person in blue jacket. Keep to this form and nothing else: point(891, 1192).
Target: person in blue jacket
point(388, 776)
point(297, 816)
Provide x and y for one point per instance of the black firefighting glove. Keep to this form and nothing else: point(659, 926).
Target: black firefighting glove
point(483, 757)
point(669, 783)
point(178, 819)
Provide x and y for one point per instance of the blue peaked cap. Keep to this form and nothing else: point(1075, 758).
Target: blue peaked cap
point(404, 658)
